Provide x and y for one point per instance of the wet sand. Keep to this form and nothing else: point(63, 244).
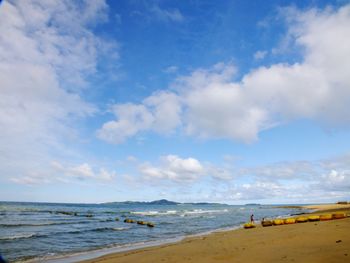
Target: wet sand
point(322, 241)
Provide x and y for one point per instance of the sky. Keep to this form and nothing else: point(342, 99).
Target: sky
point(192, 101)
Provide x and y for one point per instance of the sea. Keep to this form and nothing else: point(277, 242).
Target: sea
point(53, 232)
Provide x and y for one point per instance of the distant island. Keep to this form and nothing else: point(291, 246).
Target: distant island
point(159, 202)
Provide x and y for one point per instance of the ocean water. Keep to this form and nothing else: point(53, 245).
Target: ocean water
point(42, 231)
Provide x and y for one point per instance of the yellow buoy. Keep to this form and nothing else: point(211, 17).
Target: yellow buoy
point(338, 215)
point(326, 217)
point(301, 219)
point(249, 225)
point(289, 221)
point(278, 222)
point(314, 218)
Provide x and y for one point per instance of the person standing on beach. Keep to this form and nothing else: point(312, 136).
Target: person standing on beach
point(252, 218)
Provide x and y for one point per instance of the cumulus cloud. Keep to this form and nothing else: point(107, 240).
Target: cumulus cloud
point(47, 51)
point(173, 168)
point(214, 105)
point(160, 113)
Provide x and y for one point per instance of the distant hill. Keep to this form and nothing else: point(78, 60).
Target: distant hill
point(158, 202)
point(163, 202)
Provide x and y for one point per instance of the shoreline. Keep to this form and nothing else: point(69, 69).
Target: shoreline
point(195, 248)
point(86, 256)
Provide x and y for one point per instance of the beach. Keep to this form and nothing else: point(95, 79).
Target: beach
point(321, 241)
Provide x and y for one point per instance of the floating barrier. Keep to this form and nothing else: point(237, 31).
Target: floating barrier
point(278, 222)
point(314, 218)
point(128, 220)
point(338, 215)
point(326, 217)
point(289, 221)
point(301, 219)
point(150, 224)
point(266, 223)
point(141, 222)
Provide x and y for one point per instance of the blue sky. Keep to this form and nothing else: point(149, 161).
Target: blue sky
point(225, 101)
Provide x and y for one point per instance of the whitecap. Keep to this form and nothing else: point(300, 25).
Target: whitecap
point(18, 236)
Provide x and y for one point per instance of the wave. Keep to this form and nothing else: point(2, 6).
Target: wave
point(99, 229)
point(155, 213)
point(197, 212)
point(120, 228)
point(19, 236)
point(182, 213)
point(34, 235)
point(53, 223)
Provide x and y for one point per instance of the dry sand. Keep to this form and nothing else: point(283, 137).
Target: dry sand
point(324, 207)
point(323, 241)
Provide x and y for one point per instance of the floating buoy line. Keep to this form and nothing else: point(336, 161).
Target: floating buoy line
point(131, 221)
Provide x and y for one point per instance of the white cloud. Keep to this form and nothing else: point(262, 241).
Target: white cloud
point(81, 171)
point(84, 171)
point(65, 174)
point(131, 119)
point(260, 54)
point(216, 107)
point(173, 15)
point(160, 113)
point(32, 179)
point(47, 51)
point(173, 168)
point(284, 170)
point(299, 181)
point(220, 173)
point(213, 105)
point(171, 69)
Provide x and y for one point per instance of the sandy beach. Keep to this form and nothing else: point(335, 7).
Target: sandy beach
point(325, 207)
point(322, 241)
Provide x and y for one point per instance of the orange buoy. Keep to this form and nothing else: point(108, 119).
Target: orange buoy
point(338, 215)
point(326, 217)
